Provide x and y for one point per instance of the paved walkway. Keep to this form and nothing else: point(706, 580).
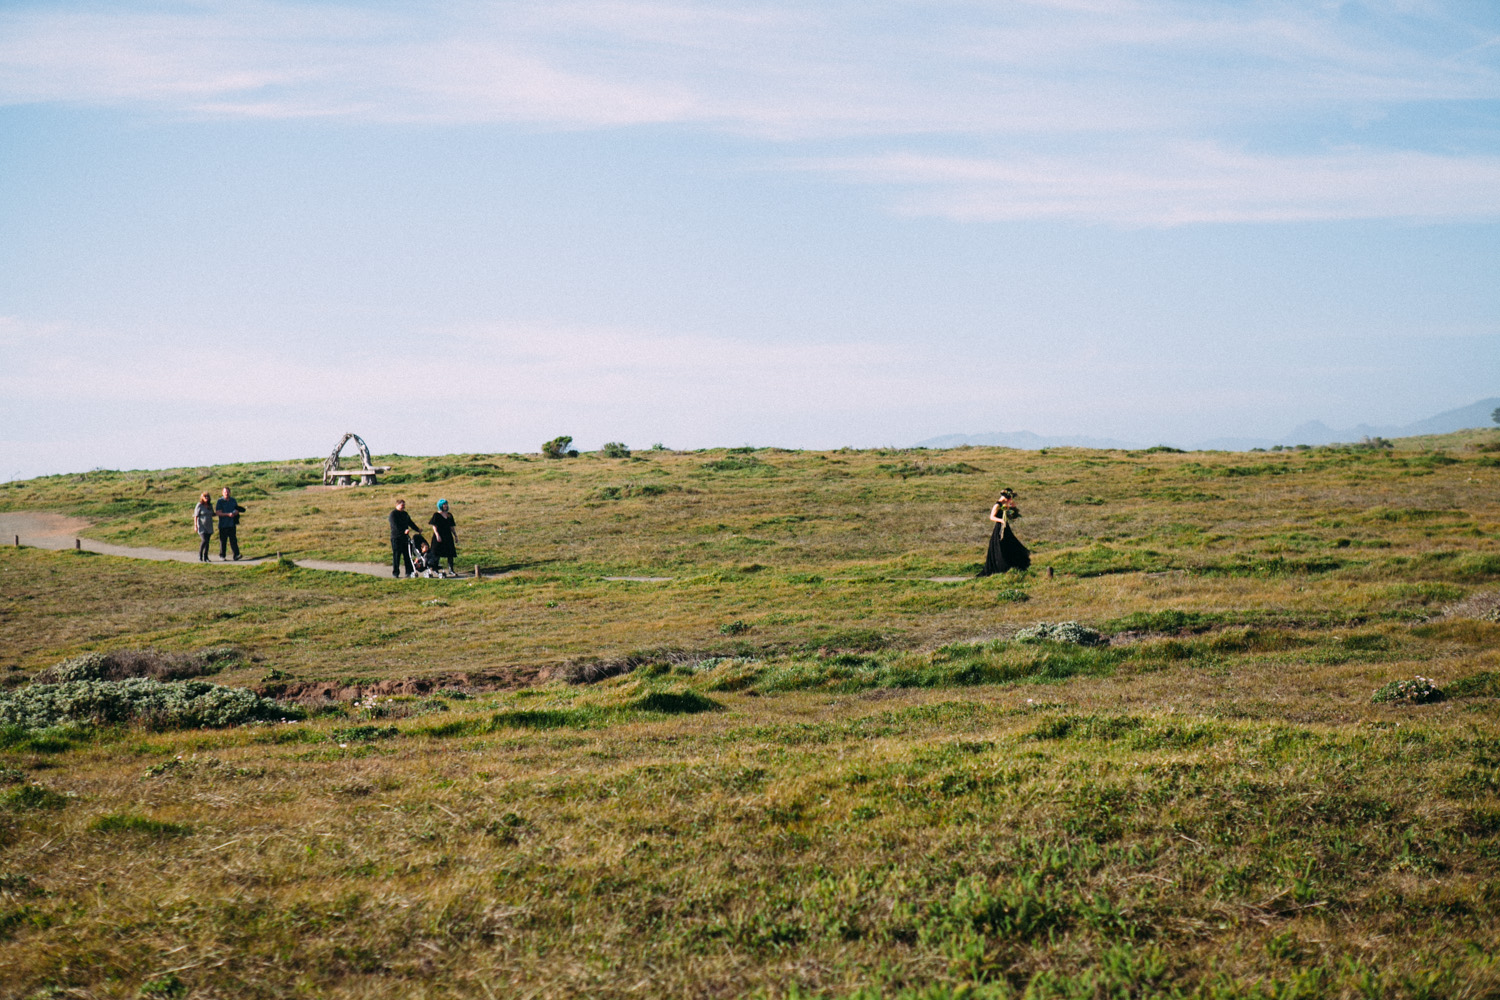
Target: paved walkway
point(58, 531)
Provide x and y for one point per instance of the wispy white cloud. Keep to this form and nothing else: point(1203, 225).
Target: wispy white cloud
point(1197, 183)
point(1060, 85)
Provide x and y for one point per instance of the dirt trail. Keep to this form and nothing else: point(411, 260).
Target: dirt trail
point(58, 531)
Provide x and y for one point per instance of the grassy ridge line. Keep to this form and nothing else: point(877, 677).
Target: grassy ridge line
point(854, 511)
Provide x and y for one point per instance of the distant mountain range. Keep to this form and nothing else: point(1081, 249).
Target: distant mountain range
point(1315, 432)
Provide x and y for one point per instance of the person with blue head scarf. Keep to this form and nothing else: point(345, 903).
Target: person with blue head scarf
point(444, 537)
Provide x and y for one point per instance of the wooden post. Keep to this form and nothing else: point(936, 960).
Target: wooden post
point(78, 545)
point(476, 571)
point(1049, 572)
point(18, 541)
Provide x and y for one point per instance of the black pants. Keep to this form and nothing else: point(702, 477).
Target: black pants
point(399, 557)
point(230, 536)
point(206, 536)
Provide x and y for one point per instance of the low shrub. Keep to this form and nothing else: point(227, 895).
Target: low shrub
point(172, 705)
point(558, 447)
point(125, 663)
point(614, 449)
point(1071, 633)
point(1411, 691)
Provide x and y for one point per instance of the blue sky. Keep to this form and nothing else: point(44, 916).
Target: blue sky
point(234, 230)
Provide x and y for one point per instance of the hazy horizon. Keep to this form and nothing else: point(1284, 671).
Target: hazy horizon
point(234, 231)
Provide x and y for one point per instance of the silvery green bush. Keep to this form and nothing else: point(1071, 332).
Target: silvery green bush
point(120, 664)
point(88, 667)
point(1068, 632)
point(172, 705)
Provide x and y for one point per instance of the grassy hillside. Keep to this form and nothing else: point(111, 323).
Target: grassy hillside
point(802, 549)
point(824, 776)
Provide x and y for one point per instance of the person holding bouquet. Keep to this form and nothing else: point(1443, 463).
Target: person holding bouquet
point(1006, 551)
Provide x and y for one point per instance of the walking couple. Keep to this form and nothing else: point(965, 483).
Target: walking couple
point(228, 511)
point(408, 545)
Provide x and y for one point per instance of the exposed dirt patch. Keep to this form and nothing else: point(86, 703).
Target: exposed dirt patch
point(320, 692)
point(1485, 607)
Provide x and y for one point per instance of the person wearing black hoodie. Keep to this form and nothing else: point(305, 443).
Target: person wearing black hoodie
point(401, 523)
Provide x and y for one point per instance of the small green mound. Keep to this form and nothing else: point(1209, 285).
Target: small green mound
point(129, 823)
point(624, 491)
point(738, 463)
point(547, 718)
point(907, 470)
point(363, 734)
point(675, 703)
point(1485, 684)
point(30, 797)
point(1086, 727)
point(1169, 621)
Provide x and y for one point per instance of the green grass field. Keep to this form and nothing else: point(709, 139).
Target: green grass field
point(806, 769)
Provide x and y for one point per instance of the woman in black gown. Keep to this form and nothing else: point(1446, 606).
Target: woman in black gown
point(1006, 551)
point(444, 537)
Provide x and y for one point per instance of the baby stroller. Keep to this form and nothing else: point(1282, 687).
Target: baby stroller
point(423, 562)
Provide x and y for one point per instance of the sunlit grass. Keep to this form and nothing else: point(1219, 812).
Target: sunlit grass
point(801, 767)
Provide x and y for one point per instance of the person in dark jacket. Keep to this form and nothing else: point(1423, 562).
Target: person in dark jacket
point(229, 511)
point(444, 538)
point(203, 523)
point(401, 523)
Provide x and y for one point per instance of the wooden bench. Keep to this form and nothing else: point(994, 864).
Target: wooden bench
point(366, 477)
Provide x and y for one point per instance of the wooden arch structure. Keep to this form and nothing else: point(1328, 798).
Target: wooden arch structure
point(366, 473)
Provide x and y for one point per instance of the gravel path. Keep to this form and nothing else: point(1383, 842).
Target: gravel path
point(58, 531)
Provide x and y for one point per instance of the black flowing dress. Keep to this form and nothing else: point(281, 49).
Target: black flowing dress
point(1006, 551)
point(443, 544)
